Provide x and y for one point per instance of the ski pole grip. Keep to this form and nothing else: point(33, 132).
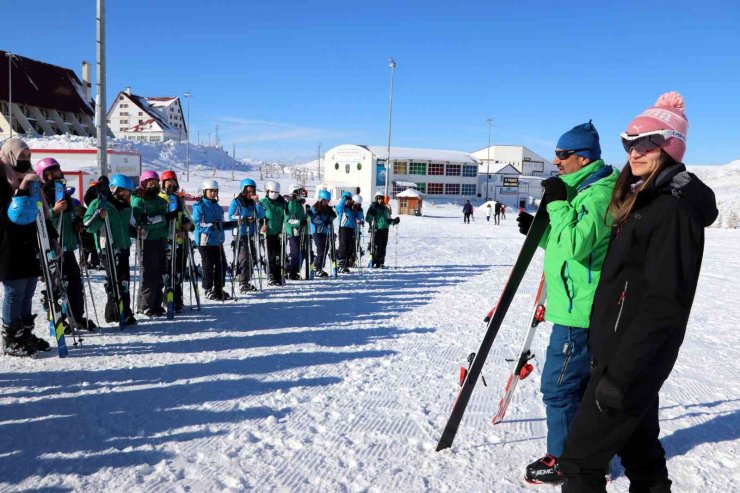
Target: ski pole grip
point(95, 215)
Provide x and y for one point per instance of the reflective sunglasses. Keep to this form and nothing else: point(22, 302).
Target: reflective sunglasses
point(566, 154)
point(649, 141)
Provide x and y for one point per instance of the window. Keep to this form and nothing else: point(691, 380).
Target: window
point(469, 170)
point(468, 189)
point(123, 129)
point(422, 187)
point(400, 168)
point(124, 105)
point(154, 138)
point(418, 169)
point(453, 170)
point(124, 113)
point(120, 98)
point(124, 122)
point(437, 169)
point(434, 188)
point(141, 113)
point(452, 189)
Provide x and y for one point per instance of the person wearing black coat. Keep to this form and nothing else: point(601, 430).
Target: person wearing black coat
point(641, 307)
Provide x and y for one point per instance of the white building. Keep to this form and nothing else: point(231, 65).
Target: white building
point(154, 119)
point(511, 174)
point(435, 173)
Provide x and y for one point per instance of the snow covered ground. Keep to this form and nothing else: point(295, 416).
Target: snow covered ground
point(345, 385)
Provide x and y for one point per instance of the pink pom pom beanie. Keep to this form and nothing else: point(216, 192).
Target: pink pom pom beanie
point(667, 114)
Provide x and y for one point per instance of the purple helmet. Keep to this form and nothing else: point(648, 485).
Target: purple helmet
point(148, 175)
point(44, 164)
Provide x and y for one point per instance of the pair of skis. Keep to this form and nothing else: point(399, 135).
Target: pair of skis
point(170, 276)
point(529, 247)
point(373, 228)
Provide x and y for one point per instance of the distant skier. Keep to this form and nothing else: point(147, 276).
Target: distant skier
point(349, 218)
point(497, 213)
point(467, 212)
point(379, 214)
point(296, 224)
point(208, 217)
point(321, 219)
point(249, 211)
point(575, 244)
point(274, 205)
point(489, 210)
point(642, 305)
point(503, 211)
point(360, 213)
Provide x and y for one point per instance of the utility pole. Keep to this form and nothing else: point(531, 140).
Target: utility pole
point(187, 148)
point(319, 161)
point(388, 167)
point(100, 102)
point(10, 92)
point(488, 161)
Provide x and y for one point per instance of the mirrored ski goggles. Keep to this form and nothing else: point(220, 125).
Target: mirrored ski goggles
point(649, 141)
point(567, 153)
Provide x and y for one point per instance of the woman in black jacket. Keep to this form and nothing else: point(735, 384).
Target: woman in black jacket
point(642, 305)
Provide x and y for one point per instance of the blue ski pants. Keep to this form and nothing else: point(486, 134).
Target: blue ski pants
point(564, 380)
point(18, 298)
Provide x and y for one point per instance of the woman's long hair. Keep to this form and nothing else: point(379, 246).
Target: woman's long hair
point(624, 195)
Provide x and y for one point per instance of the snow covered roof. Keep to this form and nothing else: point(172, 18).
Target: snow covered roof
point(496, 167)
point(43, 85)
point(154, 115)
point(409, 192)
point(416, 154)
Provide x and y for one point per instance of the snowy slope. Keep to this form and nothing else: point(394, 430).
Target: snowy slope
point(725, 181)
point(345, 385)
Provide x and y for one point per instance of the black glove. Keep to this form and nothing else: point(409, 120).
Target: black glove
point(397, 220)
point(304, 221)
point(171, 214)
point(609, 397)
point(554, 189)
point(524, 220)
point(230, 224)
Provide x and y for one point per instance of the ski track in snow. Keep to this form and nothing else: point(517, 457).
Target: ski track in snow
point(345, 385)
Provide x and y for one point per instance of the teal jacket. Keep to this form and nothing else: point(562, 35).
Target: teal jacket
point(575, 244)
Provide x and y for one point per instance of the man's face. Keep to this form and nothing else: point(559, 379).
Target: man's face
point(570, 164)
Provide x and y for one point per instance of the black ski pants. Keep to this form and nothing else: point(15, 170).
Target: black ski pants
point(272, 242)
point(379, 244)
point(594, 438)
point(214, 268)
point(497, 218)
point(153, 267)
point(321, 240)
point(73, 278)
point(294, 258)
point(88, 248)
point(466, 218)
point(123, 273)
point(246, 245)
point(346, 246)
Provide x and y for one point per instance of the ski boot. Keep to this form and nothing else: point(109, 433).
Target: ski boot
point(544, 471)
point(14, 342)
point(38, 343)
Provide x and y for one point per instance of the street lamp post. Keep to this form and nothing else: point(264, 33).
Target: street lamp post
point(319, 160)
point(488, 160)
point(187, 145)
point(388, 167)
point(100, 102)
point(10, 91)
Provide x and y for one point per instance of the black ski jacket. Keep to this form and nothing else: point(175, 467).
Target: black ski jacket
point(647, 284)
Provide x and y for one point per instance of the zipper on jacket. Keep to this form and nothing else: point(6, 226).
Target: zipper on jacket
point(621, 304)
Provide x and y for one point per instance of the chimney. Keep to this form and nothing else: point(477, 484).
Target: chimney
point(86, 79)
point(128, 90)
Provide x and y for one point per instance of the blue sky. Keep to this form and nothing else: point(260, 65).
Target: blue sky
point(280, 76)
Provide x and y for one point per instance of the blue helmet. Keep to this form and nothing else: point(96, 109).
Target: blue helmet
point(121, 181)
point(324, 195)
point(247, 182)
point(22, 210)
point(346, 195)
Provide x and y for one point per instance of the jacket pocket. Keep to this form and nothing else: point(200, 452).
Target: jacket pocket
point(621, 302)
point(568, 284)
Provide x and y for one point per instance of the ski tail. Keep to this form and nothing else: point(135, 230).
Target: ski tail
point(529, 247)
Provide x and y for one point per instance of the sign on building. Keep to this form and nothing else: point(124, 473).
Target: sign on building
point(511, 181)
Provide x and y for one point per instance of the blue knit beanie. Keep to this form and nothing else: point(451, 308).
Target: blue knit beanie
point(582, 136)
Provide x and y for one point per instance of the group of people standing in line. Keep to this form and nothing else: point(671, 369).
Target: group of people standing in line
point(623, 251)
point(272, 235)
point(498, 211)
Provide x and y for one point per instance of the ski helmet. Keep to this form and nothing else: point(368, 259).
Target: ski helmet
point(295, 187)
point(379, 194)
point(247, 182)
point(357, 199)
point(120, 181)
point(44, 164)
point(168, 175)
point(148, 175)
point(272, 186)
point(346, 195)
point(324, 195)
point(209, 185)
point(22, 210)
